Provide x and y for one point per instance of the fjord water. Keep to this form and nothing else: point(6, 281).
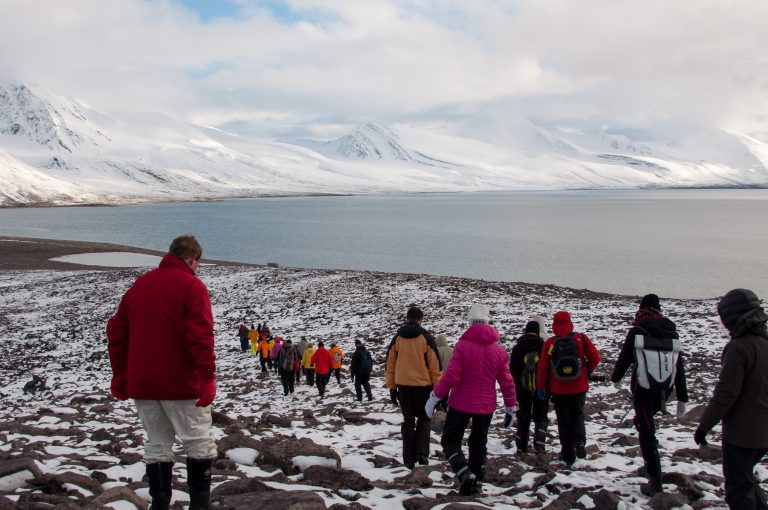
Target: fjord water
point(677, 243)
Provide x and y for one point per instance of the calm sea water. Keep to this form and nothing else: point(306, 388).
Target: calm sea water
point(677, 243)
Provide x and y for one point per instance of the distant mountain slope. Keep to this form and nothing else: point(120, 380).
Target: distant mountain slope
point(54, 150)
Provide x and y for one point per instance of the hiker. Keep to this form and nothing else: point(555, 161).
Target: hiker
point(652, 349)
point(300, 348)
point(413, 370)
point(253, 338)
point(322, 361)
point(307, 365)
point(338, 356)
point(360, 371)
point(477, 364)
point(287, 360)
point(444, 351)
point(161, 348)
point(263, 353)
point(740, 399)
point(274, 353)
point(242, 335)
point(566, 361)
point(270, 345)
point(523, 366)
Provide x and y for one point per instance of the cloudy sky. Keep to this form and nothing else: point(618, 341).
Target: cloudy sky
point(636, 66)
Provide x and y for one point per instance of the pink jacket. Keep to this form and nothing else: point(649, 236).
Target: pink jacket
point(478, 362)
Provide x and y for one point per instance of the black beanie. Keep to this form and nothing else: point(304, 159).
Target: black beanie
point(650, 301)
point(735, 304)
point(532, 327)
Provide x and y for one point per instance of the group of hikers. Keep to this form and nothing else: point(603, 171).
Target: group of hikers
point(161, 349)
point(291, 361)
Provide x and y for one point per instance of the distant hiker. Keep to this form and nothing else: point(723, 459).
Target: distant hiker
point(322, 361)
point(413, 370)
point(242, 334)
point(263, 353)
point(270, 345)
point(274, 353)
point(469, 381)
point(566, 361)
point(253, 338)
point(523, 366)
point(740, 399)
point(307, 365)
point(338, 356)
point(652, 349)
point(360, 370)
point(287, 360)
point(300, 348)
point(161, 347)
point(444, 351)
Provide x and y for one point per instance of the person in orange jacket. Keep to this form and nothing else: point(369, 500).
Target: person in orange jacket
point(263, 353)
point(338, 356)
point(323, 361)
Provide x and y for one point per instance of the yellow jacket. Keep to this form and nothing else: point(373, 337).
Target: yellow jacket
point(336, 353)
point(306, 360)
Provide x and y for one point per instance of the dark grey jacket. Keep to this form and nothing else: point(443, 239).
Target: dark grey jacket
point(740, 399)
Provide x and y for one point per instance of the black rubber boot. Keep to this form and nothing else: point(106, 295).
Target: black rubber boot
point(652, 487)
point(160, 476)
point(540, 439)
point(199, 481)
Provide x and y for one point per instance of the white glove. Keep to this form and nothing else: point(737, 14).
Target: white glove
point(509, 420)
point(682, 407)
point(617, 385)
point(429, 407)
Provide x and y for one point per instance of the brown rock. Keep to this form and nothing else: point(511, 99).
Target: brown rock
point(336, 478)
point(13, 466)
point(275, 500)
point(240, 487)
point(281, 452)
point(117, 494)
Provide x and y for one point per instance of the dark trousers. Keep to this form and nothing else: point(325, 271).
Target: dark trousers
point(362, 379)
point(297, 376)
point(646, 431)
point(288, 378)
point(310, 373)
point(415, 427)
point(337, 373)
point(322, 382)
point(263, 360)
point(453, 432)
point(742, 488)
point(531, 408)
point(570, 423)
point(244, 344)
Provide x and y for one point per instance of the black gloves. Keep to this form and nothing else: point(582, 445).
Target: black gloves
point(393, 397)
point(700, 436)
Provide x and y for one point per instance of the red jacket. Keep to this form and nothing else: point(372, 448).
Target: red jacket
point(161, 337)
point(322, 360)
point(562, 326)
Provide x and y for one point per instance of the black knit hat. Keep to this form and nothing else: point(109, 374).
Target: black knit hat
point(650, 301)
point(735, 304)
point(532, 327)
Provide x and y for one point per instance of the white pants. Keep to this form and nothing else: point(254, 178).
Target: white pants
point(164, 420)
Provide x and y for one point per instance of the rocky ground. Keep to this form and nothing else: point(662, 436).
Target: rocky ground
point(65, 442)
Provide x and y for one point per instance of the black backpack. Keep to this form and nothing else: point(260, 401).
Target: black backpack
point(565, 358)
point(656, 361)
point(366, 361)
point(530, 369)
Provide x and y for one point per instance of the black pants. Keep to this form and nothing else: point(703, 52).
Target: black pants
point(362, 379)
point(415, 427)
point(297, 376)
point(288, 378)
point(337, 373)
point(570, 423)
point(646, 430)
point(531, 408)
point(453, 432)
point(742, 488)
point(263, 360)
point(244, 344)
point(322, 382)
point(310, 373)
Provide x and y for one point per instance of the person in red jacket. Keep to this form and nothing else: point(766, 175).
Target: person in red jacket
point(323, 362)
point(161, 352)
point(565, 363)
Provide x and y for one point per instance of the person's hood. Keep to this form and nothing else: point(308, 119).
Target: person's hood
point(480, 333)
point(441, 341)
point(172, 261)
point(659, 327)
point(561, 324)
point(410, 330)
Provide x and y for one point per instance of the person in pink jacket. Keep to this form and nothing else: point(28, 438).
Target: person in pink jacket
point(477, 364)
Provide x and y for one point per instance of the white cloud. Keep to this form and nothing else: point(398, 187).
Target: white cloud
point(607, 62)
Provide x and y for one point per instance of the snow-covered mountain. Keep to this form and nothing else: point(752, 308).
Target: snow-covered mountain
point(55, 150)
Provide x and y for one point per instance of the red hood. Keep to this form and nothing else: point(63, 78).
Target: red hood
point(561, 324)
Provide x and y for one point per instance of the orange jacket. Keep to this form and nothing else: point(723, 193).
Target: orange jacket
point(336, 353)
point(412, 359)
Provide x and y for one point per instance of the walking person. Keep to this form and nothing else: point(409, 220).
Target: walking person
point(242, 334)
point(263, 353)
point(307, 365)
point(477, 364)
point(322, 361)
point(274, 353)
point(523, 366)
point(338, 356)
point(740, 399)
point(566, 361)
point(253, 338)
point(161, 348)
point(287, 360)
point(444, 351)
point(300, 348)
point(413, 370)
point(360, 371)
point(652, 337)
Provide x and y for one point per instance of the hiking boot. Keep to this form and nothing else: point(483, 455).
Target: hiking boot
point(539, 448)
point(199, 481)
point(562, 458)
point(653, 486)
point(467, 484)
point(410, 465)
point(581, 450)
point(522, 447)
point(421, 459)
point(160, 475)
